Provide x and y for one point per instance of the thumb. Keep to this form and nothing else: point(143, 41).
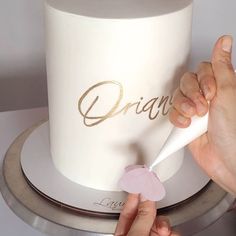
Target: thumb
point(144, 220)
point(221, 61)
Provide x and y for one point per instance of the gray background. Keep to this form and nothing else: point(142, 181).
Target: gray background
point(22, 60)
point(23, 75)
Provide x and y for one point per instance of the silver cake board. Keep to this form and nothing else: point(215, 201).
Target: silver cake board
point(38, 168)
point(188, 217)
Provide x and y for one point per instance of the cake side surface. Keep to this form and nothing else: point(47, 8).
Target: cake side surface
point(110, 85)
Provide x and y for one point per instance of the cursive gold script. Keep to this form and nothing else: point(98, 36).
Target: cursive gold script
point(153, 107)
point(110, 203)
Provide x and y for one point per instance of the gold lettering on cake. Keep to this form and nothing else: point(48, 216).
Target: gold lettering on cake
point(154, 107)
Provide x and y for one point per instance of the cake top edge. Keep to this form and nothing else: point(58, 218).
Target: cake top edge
point(119, 9)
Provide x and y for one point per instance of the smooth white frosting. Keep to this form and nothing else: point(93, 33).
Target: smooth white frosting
point(120, 59)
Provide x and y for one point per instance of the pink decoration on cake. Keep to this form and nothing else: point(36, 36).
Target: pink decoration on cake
point(139, 179)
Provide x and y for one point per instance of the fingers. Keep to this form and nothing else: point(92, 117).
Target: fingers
point(127, 215)
point(190, 88)
point(144, 219)
point(175, 234)
point(178, 119)
point(191, 97)
point(141, 214)
point(206, 80)
point(221, 62)
point(161, 227)
point(188, 101)
point(183, 104)
point(195, 89)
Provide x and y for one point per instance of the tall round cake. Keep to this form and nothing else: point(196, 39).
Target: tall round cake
point(112, 66)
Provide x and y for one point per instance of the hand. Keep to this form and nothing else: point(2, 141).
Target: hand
point(138, 218)
point(214, 151)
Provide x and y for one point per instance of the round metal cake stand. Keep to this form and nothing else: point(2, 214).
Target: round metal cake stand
point(188, 217)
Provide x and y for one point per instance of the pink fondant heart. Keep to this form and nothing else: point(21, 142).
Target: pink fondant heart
point(138, 179)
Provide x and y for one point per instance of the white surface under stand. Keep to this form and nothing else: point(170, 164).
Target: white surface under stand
point(11, 124)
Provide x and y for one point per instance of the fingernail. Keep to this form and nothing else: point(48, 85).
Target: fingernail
point(182, 120)
point(187, 108)
point(206, 92)
point(164, 224)
point(227, 43)
point(201, 109)
point(142, 198)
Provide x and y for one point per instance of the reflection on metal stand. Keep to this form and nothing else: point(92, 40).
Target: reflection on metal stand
point(187, 217)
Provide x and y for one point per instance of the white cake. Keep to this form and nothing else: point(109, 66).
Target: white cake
point(112, 66)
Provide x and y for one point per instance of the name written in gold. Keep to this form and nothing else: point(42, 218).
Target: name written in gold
point(154, 107)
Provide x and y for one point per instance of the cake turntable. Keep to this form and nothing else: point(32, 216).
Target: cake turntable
point(46, 200)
